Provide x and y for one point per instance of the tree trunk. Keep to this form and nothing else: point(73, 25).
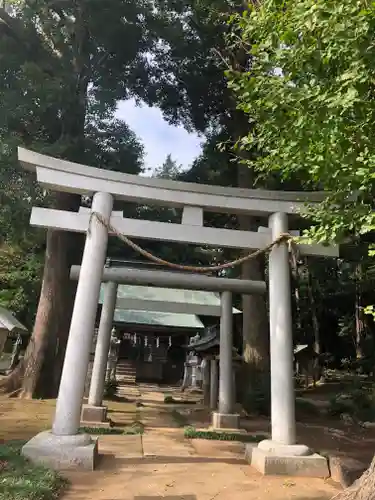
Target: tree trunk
point(297, 298)
point(255, 331)
point(362, 489)
point(38, 373)
point(359, 320)
point(314, 313)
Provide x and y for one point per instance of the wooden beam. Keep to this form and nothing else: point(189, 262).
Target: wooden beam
point(162, 231)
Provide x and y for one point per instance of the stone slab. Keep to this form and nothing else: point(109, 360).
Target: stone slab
point(240, 432)
point(78, 452)
point(268, 463)
point(122, 446)
point(345, 470)
point(156, 445)
point(227, 421)
point(94, 413)
point(98, 425)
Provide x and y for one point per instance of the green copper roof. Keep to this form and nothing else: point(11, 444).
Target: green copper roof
point(9, 323)
point(168, 295)
point(152, 318)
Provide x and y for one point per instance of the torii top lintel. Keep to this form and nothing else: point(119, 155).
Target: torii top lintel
point(62, 175)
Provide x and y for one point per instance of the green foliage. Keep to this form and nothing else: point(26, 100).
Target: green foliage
point(308, 98)
point(20, 275)
point(20, 480)
point(358, 402)
point(111, 389)
point(180, 419)
point(135, 429)
point(169, 169)
point(192, 433)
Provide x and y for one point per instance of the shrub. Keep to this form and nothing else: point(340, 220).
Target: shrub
point(358, 402)
point(110, 389)
point(180, 419)
point(134, 429)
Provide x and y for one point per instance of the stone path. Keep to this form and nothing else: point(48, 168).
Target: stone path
point(162, 464)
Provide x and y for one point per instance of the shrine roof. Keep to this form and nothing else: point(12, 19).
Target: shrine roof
point(156, 318)
point(167, 300)
point(10, 323)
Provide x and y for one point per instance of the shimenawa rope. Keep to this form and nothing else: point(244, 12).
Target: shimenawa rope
point(283, 238)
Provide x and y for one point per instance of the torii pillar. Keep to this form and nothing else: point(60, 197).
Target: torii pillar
point(281, 454)
point(64, 447)
point(225, 417)
point(94, 413)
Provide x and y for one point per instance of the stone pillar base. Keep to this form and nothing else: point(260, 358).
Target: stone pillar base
point(226, 421)
point(62, 452)
point(270, 458)
point(94, 416)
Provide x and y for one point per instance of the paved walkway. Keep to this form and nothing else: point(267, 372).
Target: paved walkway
point(163, 464)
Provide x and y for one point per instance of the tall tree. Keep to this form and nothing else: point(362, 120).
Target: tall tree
point(191, 62)
point(309, 99)
point(64, 68)
point(169, 170)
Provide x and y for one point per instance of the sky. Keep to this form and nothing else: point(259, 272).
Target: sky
point(158, 137)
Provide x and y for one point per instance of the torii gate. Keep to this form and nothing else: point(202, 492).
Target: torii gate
point(63, 447)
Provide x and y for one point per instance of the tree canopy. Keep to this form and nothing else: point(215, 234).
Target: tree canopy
point(308, 96)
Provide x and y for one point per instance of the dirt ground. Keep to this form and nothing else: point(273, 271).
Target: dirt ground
point(162, 464)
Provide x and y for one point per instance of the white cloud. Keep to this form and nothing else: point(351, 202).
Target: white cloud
point(158, 137)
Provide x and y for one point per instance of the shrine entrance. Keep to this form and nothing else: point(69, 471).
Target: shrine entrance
point(64, 446)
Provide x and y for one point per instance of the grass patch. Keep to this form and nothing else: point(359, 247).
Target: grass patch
point(132, 430)
point(192, 433)
point(21, 480)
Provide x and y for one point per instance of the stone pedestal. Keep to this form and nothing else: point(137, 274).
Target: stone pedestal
point(271, 458)
point(94, 416)
point(225, 421)
point(62, 452)
point(194, 377)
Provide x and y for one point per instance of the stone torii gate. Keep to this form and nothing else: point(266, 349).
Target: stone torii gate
point(63, 446)
point(95, 413)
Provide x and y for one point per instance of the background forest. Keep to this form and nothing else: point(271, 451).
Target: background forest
point(65, 65)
